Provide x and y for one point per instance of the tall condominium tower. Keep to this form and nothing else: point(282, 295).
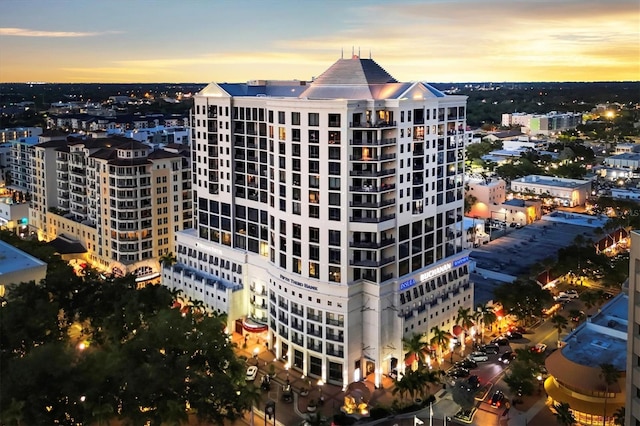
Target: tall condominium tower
point(329, 216)
point(632, 416)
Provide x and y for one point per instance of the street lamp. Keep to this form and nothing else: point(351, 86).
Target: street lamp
point(320, 384)
point(286, 367)
point(256, 351)
point(451, 346)
point(270, 412)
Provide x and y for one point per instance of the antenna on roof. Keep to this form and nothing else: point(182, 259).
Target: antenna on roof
point(342, 53)
point(358, 51)
point(353, 52)
point(369, 53)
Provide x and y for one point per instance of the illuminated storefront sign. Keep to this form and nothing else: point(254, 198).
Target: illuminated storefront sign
point(434, 272)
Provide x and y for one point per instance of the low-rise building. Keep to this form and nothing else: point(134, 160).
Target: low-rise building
point(18, 266)
point(625, 165)
point(575, 372)
point(517, 211)
point(566, 192)
point(622, 148)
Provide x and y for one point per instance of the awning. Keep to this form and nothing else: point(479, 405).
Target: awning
point(590, 406)
point(253, 327)
point(148, 277)
point(64, 245)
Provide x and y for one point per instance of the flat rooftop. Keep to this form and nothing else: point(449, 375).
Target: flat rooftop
point(551, 181)
point(13, 259)
point(602, 339)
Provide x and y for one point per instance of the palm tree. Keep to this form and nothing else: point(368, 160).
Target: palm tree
point(440, 339)
point(563, 414)
point(559, 323)
point(590, 298)
point(415, 345)
point(167, 259)
point(618, 416)
point(609, 374)
point(427, 378)
point(102, 413)
point(465, 320)
point(487, 315)
point(250, 396)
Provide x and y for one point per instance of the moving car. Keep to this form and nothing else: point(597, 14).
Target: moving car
point(572, 294)
point(497, 400)
point(507, 357)
point(252, 373)
point(491, 348)
point(539, 348)
point(514, 335)
point(517, 328)
point(287, 393)
point(472, 383)
point(458, 372)
point(467, 363)
point(478, 356)
point(502, 341)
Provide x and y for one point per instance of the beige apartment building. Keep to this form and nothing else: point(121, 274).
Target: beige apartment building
point(118, 198)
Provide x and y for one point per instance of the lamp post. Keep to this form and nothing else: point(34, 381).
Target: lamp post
point(256, 351)
point(451, 346)
point(320, 384)
point(270, 412)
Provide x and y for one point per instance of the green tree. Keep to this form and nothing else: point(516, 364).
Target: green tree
point(619, 416)
point(590, 298)
point(559, 323)
point(440, 339)
point(416, 346)
point(609, 374)
point(167, 259)
point(487, 316)
point(464, 318)
point(563, 414)
point(523, 298)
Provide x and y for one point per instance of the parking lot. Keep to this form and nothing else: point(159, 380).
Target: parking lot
point(515, 252)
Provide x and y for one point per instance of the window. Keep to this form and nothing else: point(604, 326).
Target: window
point(280, 117)
point(334, 120)
point(314, 235)
point(314, 151)
point(314, 166)
point(334, 214)
point(334, 199)
point(314, 252)
point(314, 182)
point(334, 237)
point(295, 118)
point(314, 270)
point(334, 183)
point(314, 119)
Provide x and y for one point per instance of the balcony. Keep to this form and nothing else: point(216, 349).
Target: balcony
point(384, 157)
point(368, 263)
point(372, 219)
point(371, 188)
point(335, 352)
point(335, 337)
point(369, 205)
point(376, 142)
point(372, 173)
point(314, 332)
point(372, 245)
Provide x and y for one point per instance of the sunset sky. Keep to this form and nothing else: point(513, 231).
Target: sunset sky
point(238, 40)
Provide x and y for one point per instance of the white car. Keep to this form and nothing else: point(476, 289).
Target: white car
point(252, 373)
point(539, 348)
point(562, 297)
point(478, 356)
point(572, 294)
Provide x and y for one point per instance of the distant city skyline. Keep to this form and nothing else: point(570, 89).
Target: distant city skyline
point(120, 41)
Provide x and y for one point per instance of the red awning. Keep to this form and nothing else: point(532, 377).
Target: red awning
point(409, 360)
point(253, 327)
point(457, 330)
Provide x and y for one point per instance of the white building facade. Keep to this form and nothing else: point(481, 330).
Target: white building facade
point(568, 192)
point(330, 212)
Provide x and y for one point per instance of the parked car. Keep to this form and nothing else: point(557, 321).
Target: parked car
point(491, 348)
point(472, 383)
point(467, 363)
point(507, 357)
point(501, 340)
point(514, 335)
point(517, 329)
point(252, 373)
point(539, 348)
point(478, 356)
point(458, 372)
point(497, 399)
point(562, 298)
point(287, 393)
point(578, 317)
point(572, 294)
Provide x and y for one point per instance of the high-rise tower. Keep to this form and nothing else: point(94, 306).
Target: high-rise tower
point(330, 213)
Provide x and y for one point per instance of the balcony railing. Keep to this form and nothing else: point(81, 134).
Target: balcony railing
point(372, 245)
point(372, 219)
point(367, 263)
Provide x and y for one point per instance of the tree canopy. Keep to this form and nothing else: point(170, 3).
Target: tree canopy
point(76, 349)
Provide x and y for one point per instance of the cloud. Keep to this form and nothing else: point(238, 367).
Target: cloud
point(25, 32)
